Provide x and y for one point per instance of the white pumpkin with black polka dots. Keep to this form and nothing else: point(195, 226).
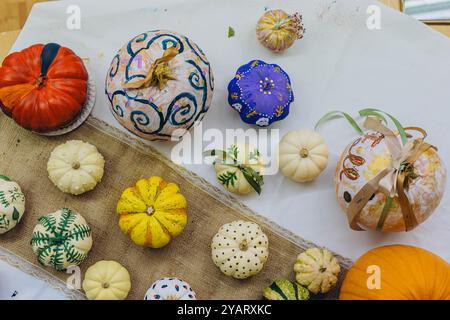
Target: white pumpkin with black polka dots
point(240, 249)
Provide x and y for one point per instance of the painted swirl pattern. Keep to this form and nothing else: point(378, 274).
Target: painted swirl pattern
point(366, 157)
point(149, 112)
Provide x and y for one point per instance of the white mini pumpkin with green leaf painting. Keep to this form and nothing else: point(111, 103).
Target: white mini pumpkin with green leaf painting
point(61, 239)
point(12, 204)
point(239, 168)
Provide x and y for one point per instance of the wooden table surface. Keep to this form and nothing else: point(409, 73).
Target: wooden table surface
point(7, 38)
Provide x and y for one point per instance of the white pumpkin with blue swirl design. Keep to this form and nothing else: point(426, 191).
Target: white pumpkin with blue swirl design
point(158, 83)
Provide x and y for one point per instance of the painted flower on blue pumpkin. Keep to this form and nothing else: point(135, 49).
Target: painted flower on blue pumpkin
point(261, 93)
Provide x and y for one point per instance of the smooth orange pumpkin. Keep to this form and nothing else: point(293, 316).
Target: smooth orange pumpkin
point(43, 87)
point(406, 273)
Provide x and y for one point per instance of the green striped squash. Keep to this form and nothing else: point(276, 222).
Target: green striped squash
point(283, 289)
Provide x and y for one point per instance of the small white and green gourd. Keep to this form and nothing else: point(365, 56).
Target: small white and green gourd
point(317, 270)
point(239, 168)
point(61, 239)
point(12, 204)
point(170, 289)
point(240, 249)
point(283, 289)
point(75, 167)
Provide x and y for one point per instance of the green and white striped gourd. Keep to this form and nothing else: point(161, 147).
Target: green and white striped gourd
point(283, 289)
point(12, 204)
point(61, 239)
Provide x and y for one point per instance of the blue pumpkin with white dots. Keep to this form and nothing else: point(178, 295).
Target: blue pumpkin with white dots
point(261, 93)
point(170, 289)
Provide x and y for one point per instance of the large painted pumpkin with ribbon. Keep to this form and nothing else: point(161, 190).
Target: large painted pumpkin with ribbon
point(159, 84)
point(397, 272)
point(388, 181)
point(43, 87)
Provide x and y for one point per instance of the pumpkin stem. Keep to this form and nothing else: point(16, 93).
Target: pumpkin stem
point(76, 165)
point(304, 152)
point(150, 210)
point(40, 81)
point(57, 240)
point(296, 22)
point(105, 285)
point(159, 73)
point(243, 246)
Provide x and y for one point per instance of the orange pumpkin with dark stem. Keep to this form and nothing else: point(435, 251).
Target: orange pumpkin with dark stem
point(405, 273)
point(43, 87)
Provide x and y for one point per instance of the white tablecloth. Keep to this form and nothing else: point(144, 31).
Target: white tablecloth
point(403, 68)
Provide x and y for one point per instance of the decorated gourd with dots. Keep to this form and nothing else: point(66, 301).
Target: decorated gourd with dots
point(61, 239)
point(367, 156)
point(240, 249)
point(170, 289)
point(261, 93)
point(159, 84)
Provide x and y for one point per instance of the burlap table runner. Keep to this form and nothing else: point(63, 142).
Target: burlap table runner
point(24, 157)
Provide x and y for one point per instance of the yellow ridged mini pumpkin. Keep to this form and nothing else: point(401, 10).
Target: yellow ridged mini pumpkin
point(153, 212)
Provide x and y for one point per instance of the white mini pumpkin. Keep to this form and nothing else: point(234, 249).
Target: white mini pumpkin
point(106, 280)
point(240, 249)
point(317, 269)
point(170, 289)
point(303, 155)
point(12, 204)
point(230, 164)
point(61, 239)
point(75, 167)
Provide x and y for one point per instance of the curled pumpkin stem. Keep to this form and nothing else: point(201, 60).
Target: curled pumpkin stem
point(159, 73)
